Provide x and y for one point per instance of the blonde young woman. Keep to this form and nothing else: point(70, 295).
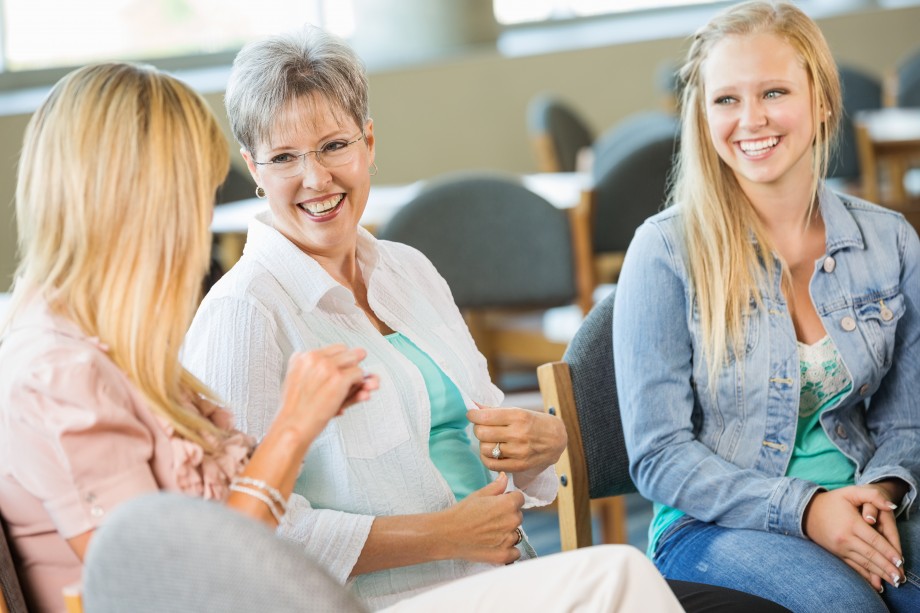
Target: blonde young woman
point(768, 339)
point(116, 187)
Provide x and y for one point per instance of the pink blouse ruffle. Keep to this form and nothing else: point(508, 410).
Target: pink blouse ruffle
point(208, 475)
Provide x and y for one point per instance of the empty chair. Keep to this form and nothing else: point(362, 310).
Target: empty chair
point(582, 390)
point(499, 246)
point(861, 91)
point(558, 133)
point(632, 167)
point(908, 77)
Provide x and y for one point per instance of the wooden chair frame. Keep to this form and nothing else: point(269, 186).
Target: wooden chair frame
point(574, 500)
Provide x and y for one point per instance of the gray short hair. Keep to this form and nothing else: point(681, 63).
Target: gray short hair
point(271, 73)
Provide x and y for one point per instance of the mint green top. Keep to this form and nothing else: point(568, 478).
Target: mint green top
point(448, 444)
point(824, 381)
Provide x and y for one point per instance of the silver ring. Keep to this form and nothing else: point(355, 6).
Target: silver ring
point(497, 451)
point(520, 536)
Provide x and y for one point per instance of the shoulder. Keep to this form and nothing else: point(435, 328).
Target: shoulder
point(662, 234)
point(43, 367)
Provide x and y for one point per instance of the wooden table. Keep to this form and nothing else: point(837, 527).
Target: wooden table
point(888, 142)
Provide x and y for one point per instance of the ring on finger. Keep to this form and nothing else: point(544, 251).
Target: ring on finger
point(520, 536)
point(497, 451)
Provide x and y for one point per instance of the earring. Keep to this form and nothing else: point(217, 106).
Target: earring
point(373, 169)
point(260, 192)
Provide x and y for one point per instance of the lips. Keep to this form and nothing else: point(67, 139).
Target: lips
point(322, 208)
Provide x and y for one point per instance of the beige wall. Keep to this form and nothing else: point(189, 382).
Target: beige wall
point(469, 113)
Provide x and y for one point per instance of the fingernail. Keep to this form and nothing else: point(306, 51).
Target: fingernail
point(869, 519)
point(881, 590)
point(896, 580)
point(892, 506)
point(898, 562)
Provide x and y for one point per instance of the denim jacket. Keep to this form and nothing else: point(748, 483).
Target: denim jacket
point(722, 457)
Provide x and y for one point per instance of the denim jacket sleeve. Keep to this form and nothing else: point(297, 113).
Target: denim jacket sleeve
point(893, 416)
point(654, 360)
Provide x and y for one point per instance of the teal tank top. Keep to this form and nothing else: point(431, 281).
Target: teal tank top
point(448, 444)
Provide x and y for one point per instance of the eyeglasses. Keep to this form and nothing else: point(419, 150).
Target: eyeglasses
point(334, 153)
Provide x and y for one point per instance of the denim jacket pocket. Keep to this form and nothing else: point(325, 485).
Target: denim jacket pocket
point(878, 318)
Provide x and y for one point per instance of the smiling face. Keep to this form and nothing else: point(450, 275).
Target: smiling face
point(318, 209)
point(759, 107)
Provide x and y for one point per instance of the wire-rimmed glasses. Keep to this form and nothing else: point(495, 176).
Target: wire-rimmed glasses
point(334, 153)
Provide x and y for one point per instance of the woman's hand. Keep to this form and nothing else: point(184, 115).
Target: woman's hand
point(834, 521)
point(483, 526)
point(529, 439)
point(321, 384)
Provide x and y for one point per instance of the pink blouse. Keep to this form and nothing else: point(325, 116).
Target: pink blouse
point(76, 439)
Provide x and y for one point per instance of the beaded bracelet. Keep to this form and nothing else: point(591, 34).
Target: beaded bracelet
point(265, 487)
point(259, 495)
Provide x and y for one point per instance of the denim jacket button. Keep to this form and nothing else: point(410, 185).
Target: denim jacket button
point(829, 264)
point(887, 314)
point(841, 431)
point(848, 324)
point(864, 389)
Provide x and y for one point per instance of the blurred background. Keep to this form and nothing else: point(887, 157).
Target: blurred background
point(450, 81)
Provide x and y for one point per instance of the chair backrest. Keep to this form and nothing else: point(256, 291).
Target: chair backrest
point(495, 242)
point(861, 91)
point(170, 552)
point(632, 168)
point(558, 132)
point(12, 596)
point(909, 80)
point(594, 385)
point(582, 391)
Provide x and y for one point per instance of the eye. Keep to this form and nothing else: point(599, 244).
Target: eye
point(336, 145)
point(774, 93)
point(283, 158)
point(722, 100)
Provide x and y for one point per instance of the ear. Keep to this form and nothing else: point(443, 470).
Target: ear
point(251, 165)
point(369, 139)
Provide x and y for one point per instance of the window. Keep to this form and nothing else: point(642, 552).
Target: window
point(38, 34)
point(510, 12)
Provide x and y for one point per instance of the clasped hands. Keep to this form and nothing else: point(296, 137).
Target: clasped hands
point(857, 524)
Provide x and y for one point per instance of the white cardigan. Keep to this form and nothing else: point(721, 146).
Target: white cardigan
point(374, 459)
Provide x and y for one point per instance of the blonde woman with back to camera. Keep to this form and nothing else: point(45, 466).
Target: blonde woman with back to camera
point(768, 339)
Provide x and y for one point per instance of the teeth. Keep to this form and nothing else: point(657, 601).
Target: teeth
point(322, 207)
point(757, 146)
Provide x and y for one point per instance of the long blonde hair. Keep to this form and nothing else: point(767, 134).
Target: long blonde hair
point(115, 193)
point(727, 267)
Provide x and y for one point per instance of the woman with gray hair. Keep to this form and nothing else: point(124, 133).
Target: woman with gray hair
point(392, 497)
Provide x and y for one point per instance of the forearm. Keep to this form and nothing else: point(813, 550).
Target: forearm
point(402, 540)
point(276, 461)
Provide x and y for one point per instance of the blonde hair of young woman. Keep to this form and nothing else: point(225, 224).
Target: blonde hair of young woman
point(116, 188)
point(727, 267)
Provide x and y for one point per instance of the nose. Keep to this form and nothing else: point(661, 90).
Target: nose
point(315, 175)
point(753, 114)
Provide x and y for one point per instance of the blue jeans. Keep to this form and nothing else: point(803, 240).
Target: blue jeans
point(791, 571)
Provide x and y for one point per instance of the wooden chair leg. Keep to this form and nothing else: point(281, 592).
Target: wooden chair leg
point(612, 515)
